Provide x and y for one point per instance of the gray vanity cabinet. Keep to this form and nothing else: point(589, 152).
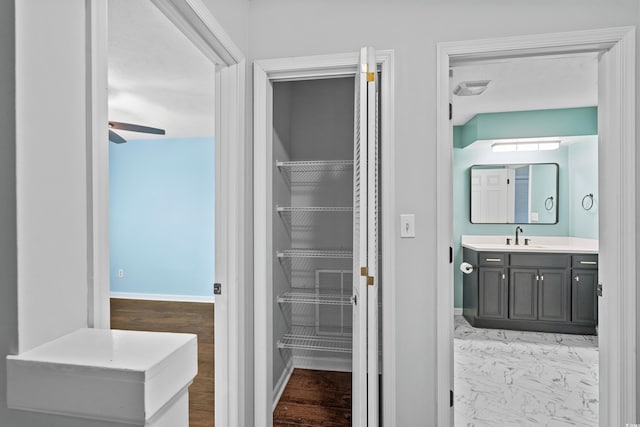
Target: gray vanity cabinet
point(584, 282)
point(523, 294)
point(531, 291)
point(553, 295)
point(492, 287)
point(538, 294)
point(541, 290)
point(584, 307)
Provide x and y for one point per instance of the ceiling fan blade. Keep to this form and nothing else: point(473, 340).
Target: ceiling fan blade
point(114, 137)
point(135, 128)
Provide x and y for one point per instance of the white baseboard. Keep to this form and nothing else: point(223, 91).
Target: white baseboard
point(457, 311)
point(322, 363)
point(163, 297)
point(282, 383)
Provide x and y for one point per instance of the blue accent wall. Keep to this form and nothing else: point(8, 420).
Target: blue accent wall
point(528, 124)
point(583, 170)
point(543, 186)
point(161, 211)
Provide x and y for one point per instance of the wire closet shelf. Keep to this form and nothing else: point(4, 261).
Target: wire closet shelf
point(305, 339)
point(314, 253)
point(303, 209)
point(312, 296)
point(316, 165)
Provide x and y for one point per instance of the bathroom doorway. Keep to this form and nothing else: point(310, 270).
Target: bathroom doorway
point(517, 331)
point(616, 130)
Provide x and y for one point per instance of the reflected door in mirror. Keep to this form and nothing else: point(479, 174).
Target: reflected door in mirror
point(514, 194)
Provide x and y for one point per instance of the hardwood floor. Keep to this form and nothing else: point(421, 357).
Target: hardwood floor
point(187, 317)
point(315, 399)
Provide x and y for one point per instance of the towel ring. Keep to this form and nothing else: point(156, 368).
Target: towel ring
point(548, 203)
point(587, 202)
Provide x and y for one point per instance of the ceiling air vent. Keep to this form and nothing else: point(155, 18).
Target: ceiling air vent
point(471, 88)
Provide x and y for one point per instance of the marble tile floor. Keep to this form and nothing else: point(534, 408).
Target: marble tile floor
point(513, 378)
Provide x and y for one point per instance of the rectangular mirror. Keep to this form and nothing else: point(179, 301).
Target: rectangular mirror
point(514, 194)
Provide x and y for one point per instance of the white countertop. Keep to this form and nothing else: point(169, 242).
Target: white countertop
point(541, 244)
point(105, 349)
point(125, 377)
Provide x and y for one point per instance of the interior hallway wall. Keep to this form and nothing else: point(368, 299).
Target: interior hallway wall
point(65, 293)
point(233, 16)
point(282, 28)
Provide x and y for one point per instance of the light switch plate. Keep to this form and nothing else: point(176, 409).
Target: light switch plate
point(407, 225)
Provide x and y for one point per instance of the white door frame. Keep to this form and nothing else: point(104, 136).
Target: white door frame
point(299, 68)
point(617, 189)
point(196, 21)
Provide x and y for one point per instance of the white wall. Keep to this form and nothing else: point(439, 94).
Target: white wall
point(51, 222)
point(281, 28)
point(51, 171)
point(8, 260)
point(281, 237)
point(233, 16)
point(638, 201)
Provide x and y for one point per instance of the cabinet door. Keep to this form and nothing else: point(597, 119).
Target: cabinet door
point(553, 295)
point(523, 294)
point(584, 300)
point(492, 293)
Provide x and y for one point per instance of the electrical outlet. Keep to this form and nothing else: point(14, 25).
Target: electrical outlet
point(121, 273)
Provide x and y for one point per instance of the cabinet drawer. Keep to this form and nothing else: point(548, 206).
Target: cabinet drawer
point(491, 259)
point(585, 261)
point(539, 260)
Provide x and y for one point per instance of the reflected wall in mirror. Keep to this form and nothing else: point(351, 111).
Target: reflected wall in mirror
point(514, 194)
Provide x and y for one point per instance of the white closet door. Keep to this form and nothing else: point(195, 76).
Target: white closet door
point(360, 156)
point(372, 241)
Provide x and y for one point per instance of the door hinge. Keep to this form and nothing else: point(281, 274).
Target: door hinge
point(371, 77)
point(451, 398)
point(450, 111)
point(599, 289)
point(370, 280)
point(363, 271)
point(217, 288)
point(507, 181)
point(450, 255)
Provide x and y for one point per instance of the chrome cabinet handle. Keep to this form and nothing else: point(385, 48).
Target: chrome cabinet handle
point(588, 262)
point(578, 279)
point(503, 276)
point(542, 278)
point(537, 277)
point(493, 259)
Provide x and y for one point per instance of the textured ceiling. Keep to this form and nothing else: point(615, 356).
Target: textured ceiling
point(528, 84)
point(157, 77)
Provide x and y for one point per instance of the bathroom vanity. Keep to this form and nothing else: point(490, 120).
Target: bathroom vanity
point(549, 285)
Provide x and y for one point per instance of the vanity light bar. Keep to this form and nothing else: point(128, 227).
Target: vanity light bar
point(525, 145)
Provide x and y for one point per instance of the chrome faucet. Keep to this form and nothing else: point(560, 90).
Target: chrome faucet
point(518, 229)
